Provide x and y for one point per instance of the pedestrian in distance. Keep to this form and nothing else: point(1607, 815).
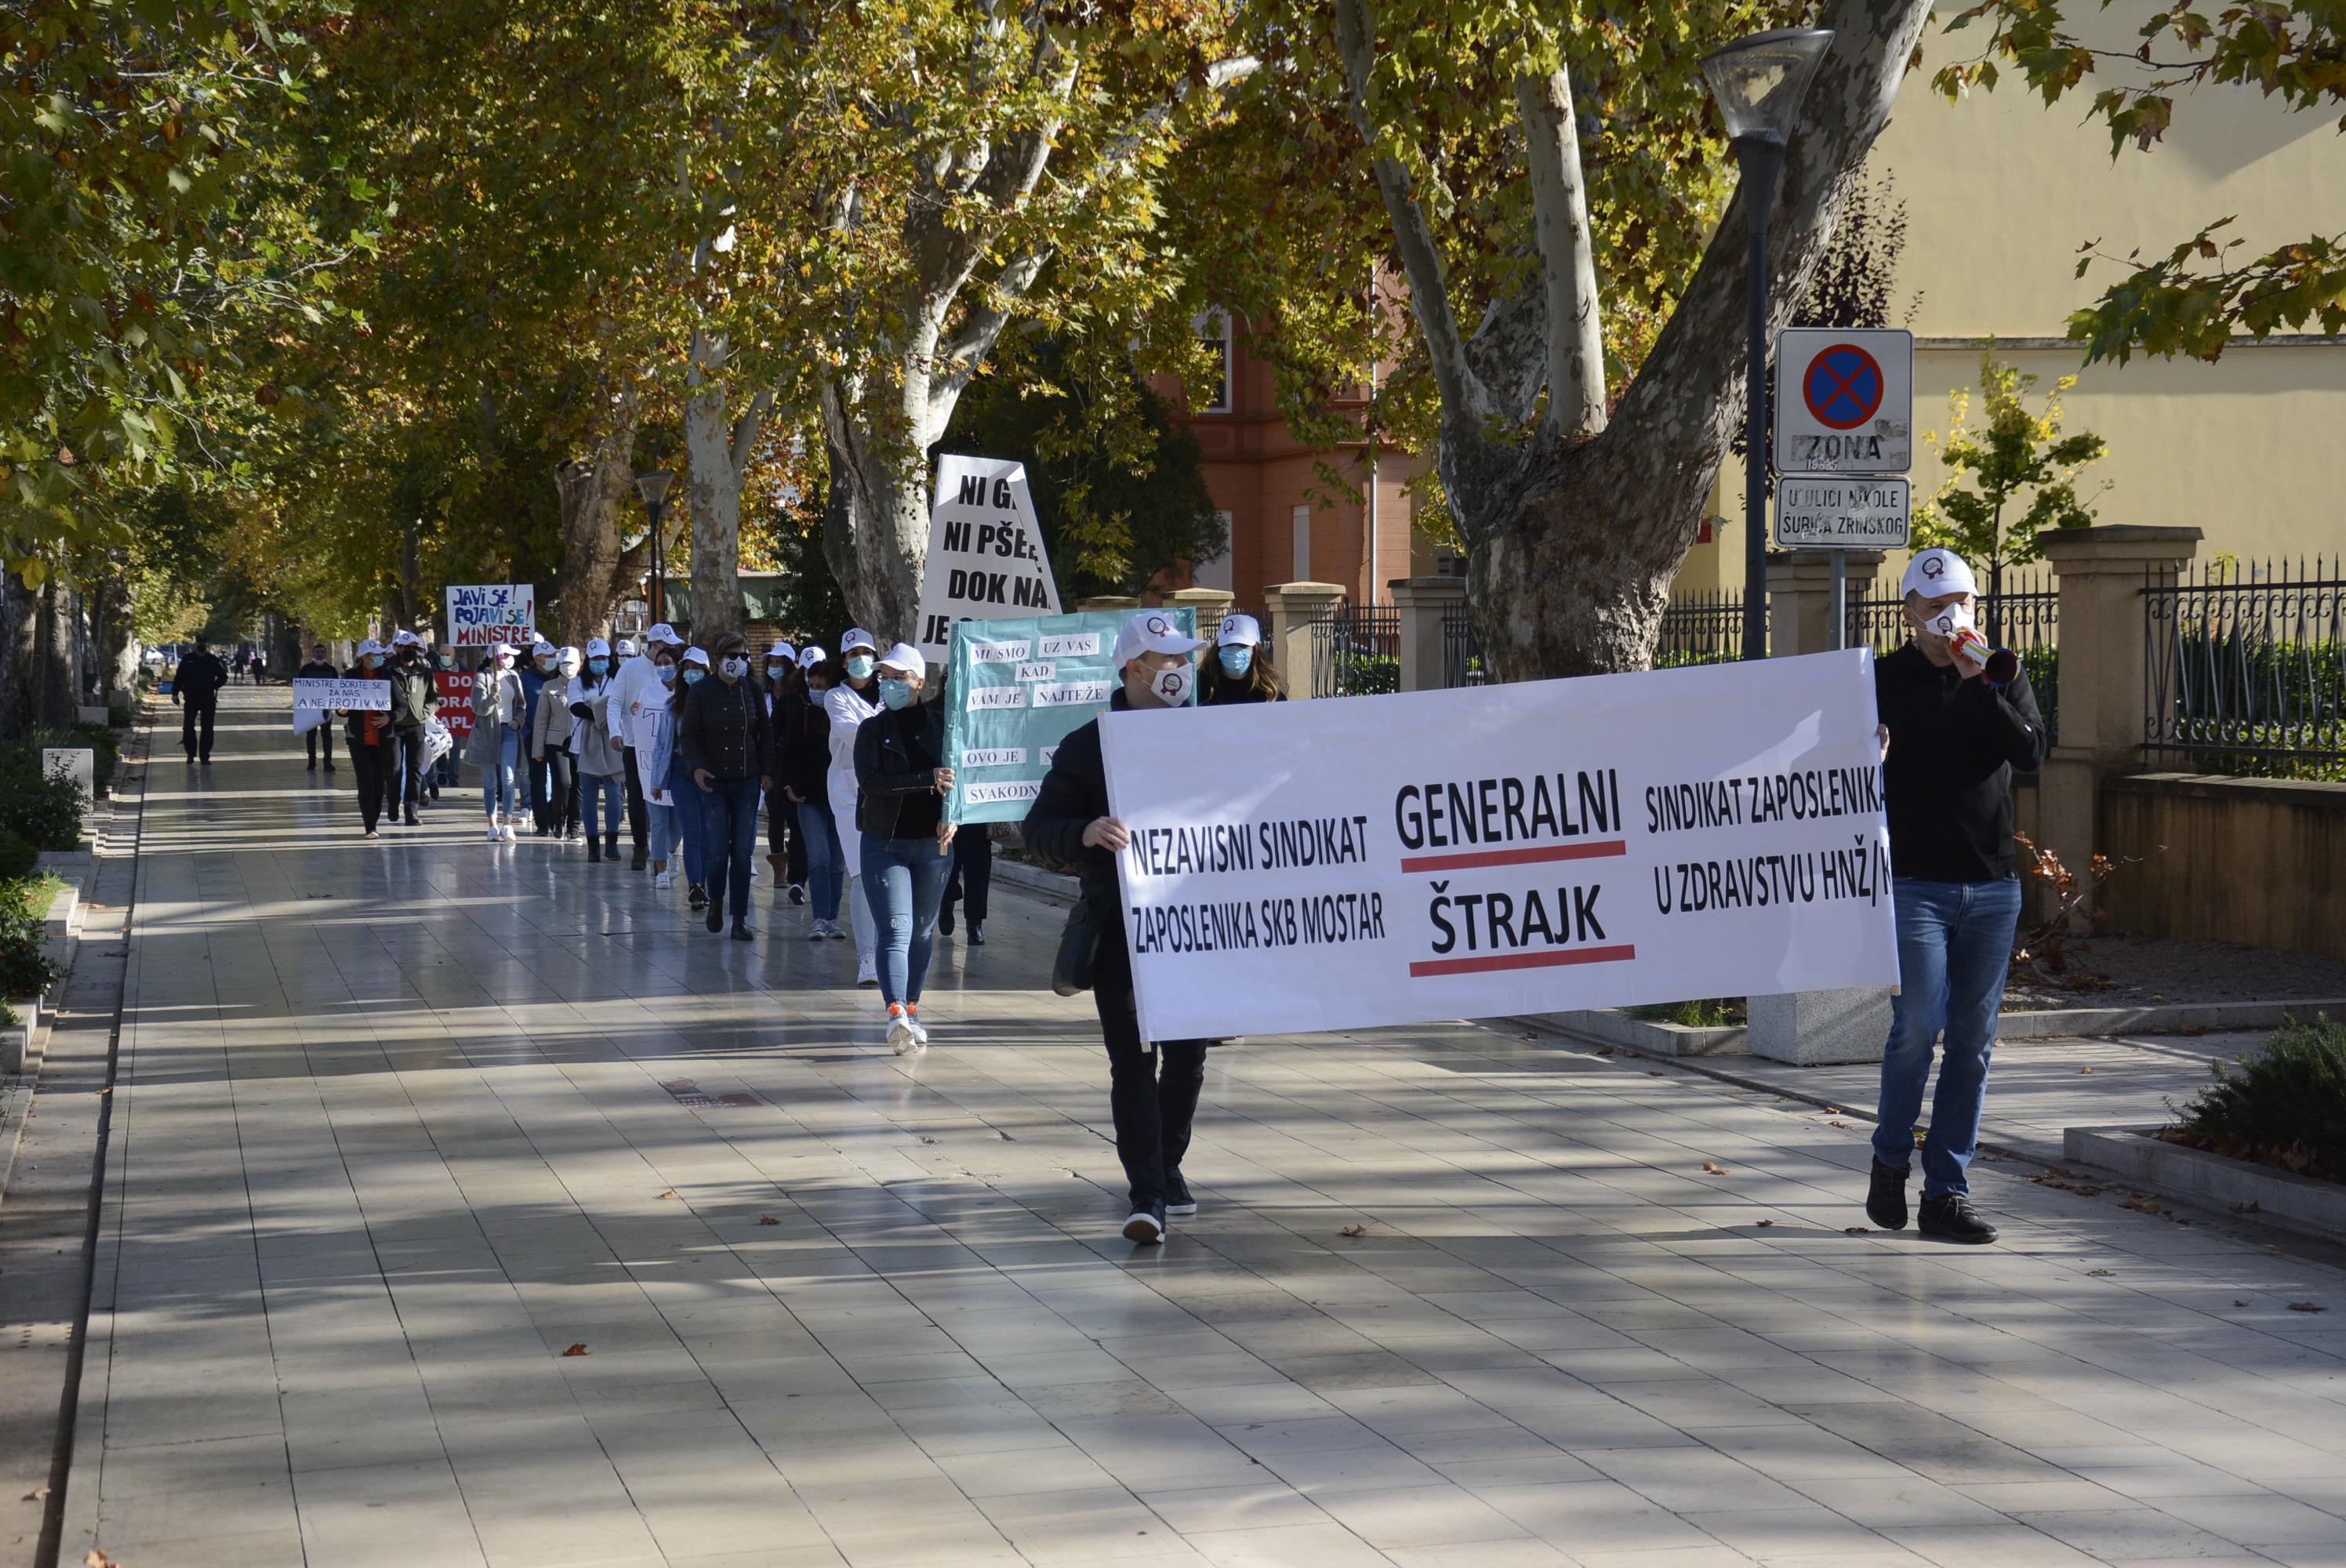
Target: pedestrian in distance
point(802, 772)
point(855, 698)
point(196, 688)
point(374, 748)
point(728, 747)
point(1153, 1089)
point(536, 787)
point(1239, 672)
point(786, 852)
point(260, 666)
point(670, 795)
point(901, 781)
point(443, 773)
point(498, 721)
point(602, 771)
point(1958, 719)
point(414, 701)
point(550, 741)
point(639, 682)
point(318, 738)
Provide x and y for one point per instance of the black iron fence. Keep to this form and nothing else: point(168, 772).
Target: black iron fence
point(1461, 654)
point(1356, 651)
point(2025, 617)
point(2246, 676)
point(1701, 628)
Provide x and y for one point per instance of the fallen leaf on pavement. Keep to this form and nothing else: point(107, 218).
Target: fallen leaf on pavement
point(2239, 1303)
point(1832, 1110)
point(2084, 1069)
point(1604, 1050)
point(1765, 1223)
point(577, 1349)
point(1354, 1230)
point(1713, 1168)
point(1837, 1122)
point(768, 1219)
point(669, 1193)
point(97, 1559)
point(1856, 1230)
point(35, 1495)
point(2143, 1205)
point(2099, 1272)
point(1653, 1072)
point(2306, 1307)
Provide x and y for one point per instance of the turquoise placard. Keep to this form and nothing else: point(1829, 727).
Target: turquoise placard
point(1016, 689)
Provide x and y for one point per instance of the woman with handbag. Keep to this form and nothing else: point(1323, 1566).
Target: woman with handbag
point(1152, 1089)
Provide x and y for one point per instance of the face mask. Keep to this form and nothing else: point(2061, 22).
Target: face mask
point(693, 674)
point(545, 665)
point(598, 665)
point(896, 694)
point(1237, 658)
point(861, 666)
point(1172, 685)
point(1950, 623)
point(735, 668)
point(775, 671)
point(446, 662)
point(368, 661)
point(668, 675)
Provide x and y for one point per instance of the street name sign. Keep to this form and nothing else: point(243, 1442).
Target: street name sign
point(1843, 512)
point(1844, 400)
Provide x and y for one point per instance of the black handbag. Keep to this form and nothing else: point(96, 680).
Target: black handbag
point(1072, 966)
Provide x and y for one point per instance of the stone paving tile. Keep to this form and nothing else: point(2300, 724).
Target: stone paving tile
point(391, 1134)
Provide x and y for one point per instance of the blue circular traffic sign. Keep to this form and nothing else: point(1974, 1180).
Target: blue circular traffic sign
point(1842, 386)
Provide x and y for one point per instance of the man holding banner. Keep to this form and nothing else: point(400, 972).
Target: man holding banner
point(1152, 1089)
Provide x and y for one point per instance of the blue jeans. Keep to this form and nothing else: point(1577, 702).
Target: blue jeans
point(499, 794)
point(826, 867)
point(690, 826)
point(905, 879)
point(1954, 944)
point(605, 790)
point(729, 838)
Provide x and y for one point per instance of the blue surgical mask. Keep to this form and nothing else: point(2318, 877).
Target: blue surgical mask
point(860, 665)
point(1237, 658)
point(896, 694)
point(600, 665)
point(692, 674)
point(668, 674)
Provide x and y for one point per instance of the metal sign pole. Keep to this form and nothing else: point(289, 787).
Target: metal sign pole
point(1839, 600)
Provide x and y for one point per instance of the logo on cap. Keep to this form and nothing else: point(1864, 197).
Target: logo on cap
point(1159, 627)
point(1935, 566)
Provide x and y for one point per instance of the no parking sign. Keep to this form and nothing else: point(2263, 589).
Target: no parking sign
point(1844, 400)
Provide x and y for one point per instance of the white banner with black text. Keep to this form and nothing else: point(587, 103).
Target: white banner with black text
point(1709, 831)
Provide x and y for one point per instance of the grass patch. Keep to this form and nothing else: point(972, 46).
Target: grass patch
point(2284, 1106)
point(1711, 1013)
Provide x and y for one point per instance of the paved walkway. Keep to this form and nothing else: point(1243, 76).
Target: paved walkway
point(418, 1251)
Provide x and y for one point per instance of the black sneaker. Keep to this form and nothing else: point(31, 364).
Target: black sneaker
point(1147, 1225)
point(413, 821)
point(1176, 1196)
point(642, 858)
point(1951, 1218)
point(1885, 1199)
point(716, 918)
point(945, 921)
point(797, 893)
point(741, 931)
point(696, 896)
point(976, 935)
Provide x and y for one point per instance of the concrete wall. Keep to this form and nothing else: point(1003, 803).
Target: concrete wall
point(2256, 861)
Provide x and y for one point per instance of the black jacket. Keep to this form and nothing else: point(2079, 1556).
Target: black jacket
point(200, 676)
point(414, 693)
point(802, 747)
point(897, 755)
point(724, 731)
point(1954, 744)
point(317, 669)
point(1075, 793)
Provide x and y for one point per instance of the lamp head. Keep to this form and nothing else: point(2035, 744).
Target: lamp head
point(1759, 81)
point(653, 486)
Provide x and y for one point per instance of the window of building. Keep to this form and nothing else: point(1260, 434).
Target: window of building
point(1213, 328)
point(1302, 544)
point(1217, 573)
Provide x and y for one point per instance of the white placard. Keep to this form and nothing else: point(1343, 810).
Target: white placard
point(1716, 831)
point(1843, 512)
point(986, 552)
point(1844, 400)
point(367, 696)
point(486, 613)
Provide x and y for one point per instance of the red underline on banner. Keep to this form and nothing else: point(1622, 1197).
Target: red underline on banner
point(1532, 856)
point(1523, 959)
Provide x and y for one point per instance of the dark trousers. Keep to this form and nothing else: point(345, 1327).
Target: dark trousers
point(544, 804)
point(782, 835)
point(317, 741)
point(972, 876)
point(198, 713)
point(408, 769)
point(639, 826)
point(1153, 1093)
point(727, 838)
point(375, 767)
point(561, 798)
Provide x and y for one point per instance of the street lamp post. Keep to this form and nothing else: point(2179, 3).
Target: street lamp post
point(653, 488)
point(1759, 83)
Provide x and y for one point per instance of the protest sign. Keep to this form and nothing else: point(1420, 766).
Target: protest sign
point(986, 552)
point(455, 700)
point(1016, 689)
point(316, 699)
point(1715, 831)
point(489, 613)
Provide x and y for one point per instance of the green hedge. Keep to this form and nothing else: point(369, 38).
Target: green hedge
point(24, 970)
point(43, 810)
point(2285, 1106)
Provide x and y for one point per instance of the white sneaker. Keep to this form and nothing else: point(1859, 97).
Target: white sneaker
point(495, 837)
point(512, 836)
point(867, 974)
point(920, 1030)
point(663, 882)
point(903, 1036)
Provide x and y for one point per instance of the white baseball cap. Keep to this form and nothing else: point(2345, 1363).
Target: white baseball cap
point(499, 650)
point(598, 648)
point(1936, 572)
point(1238, 631)
point(1152, 631)
point(627, 647)
point(662, 632)
point(697, 655)
point(403, 638)
point(783, 651)
point(541, 648)
point(570, 657)
point(907, 657)
point(856, 638)
point(370, 646)
point(810, 656)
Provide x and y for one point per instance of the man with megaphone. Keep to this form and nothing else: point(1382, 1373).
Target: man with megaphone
point(1960, 720)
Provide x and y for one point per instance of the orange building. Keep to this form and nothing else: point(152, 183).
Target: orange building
point(1287, 524)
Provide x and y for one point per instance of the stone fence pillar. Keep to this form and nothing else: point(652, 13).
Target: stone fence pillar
point(1424, 603)
point(2104, 671)
point(1108, 602)
point(1799, 594)
point(1211, 605)
point(1293, 608)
